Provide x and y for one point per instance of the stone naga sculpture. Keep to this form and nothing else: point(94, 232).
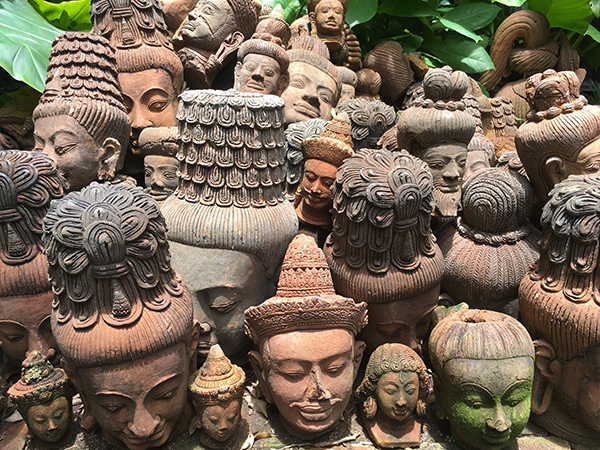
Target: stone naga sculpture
point(307, 355)
point(539, 52)
point(483, 375)
point(394, 390)
point(438, 130)
point(382, 250)
point(80, 121)
point(150, 73)
point(559, 300)
point(122, 318)
point(496, 233)
point(29, 181)
point(562, 134)
point(208, 39)
point(229, 221)
point(43, 397)
point(217, 389)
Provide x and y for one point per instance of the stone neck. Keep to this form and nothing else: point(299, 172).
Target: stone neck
point(313, 216)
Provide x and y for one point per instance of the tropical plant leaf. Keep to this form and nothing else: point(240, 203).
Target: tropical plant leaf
point(460, 29)
point(473, 16)
point(25, 42)
point(573, 15)
point(461, 54)
point(513, 3)
point(292, 9)
point(408, 8)
point(360, 11)
point(71, 15)
point(595, 5)
point(410, 42)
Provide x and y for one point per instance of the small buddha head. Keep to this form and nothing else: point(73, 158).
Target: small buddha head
point(43, 397)
point(81, 122)
point(483, 362)
point(109, 264)
point(315, 83)
point(329, 16)
point(217, 389)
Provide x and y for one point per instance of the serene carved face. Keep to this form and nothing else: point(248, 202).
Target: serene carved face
point(223, 284)
point(397, 394)
point(138, 402)
point(309, 375)
point(208, 24)
point(310, 94)
point(160, 176)
point(259, 73)
point(49, 421)
point(476, 160)
point(150, 98)
point(72, 148)
point(578, 388)
point(348, 93)
point(221, 421)
point(587, 162)
point(404, 321)
point(315, 187)
point(487, 401)
point(447, 165)
point(25, 327)
point(329, 16)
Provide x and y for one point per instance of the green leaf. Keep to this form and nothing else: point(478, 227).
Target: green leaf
point(360, 11)
point(25, 42)
point(461, 54)
point(513, 3)
point(473, 16)
point(410, 42)
point(292, 9)
point(460, 29)
point(595, 5)
point(408, 8)
point(68, 15)
point(573, 15)
point(593, 33)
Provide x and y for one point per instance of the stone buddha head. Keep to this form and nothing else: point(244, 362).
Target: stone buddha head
point(229, 223)
point(81, 121)
point(561, 136)
point(315, 83)
point(308, 356)
point(559, 302)
point(483, 363)
point(438, 130)
point(394, 394)
point(262, 65)
point(382, 250)
point(43, 396)
point(121, 317)
point(150, 73)
point(328, 16)
point(29, 181)
point(217, 389)
point(322, 157)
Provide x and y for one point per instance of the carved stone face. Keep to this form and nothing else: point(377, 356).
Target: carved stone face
point(476, 160)
point(160, 176)
point(76, 153)
point(150, 98)
point(329, 17)
point(138, 402)
point(315, 187)
point(310, 94)
point(486, 401)
point(348, 93)
point(587, 162)
point(259, 73)
point(49, 421)
point(404, 321)
point(397, 394)
point(208, 24)
point(447, 165)
point(309, 375)
point(25, 327)
point(221, 421)
point(223, 284)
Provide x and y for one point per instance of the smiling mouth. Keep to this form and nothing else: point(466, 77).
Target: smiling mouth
point(497, 438)
point(307, 110)
point(154, 440)
point(449, 189)
point(158, 195)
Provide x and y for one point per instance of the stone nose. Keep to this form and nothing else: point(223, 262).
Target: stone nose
point(498, 420)
point(143, 424)
point(316, 390)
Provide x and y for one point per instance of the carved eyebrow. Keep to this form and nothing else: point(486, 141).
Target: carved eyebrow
point(63, 131)
point(476, 387)
point(515, 386)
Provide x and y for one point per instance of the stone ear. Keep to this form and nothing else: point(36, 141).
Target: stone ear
point(440, 409)
point(87, 421)
point(359, 350)
point(546, 374)
point(256, 362)
point(110, 156)
point(553, 171)
point(193, 346)
point(238, 68)
point(282, 84)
